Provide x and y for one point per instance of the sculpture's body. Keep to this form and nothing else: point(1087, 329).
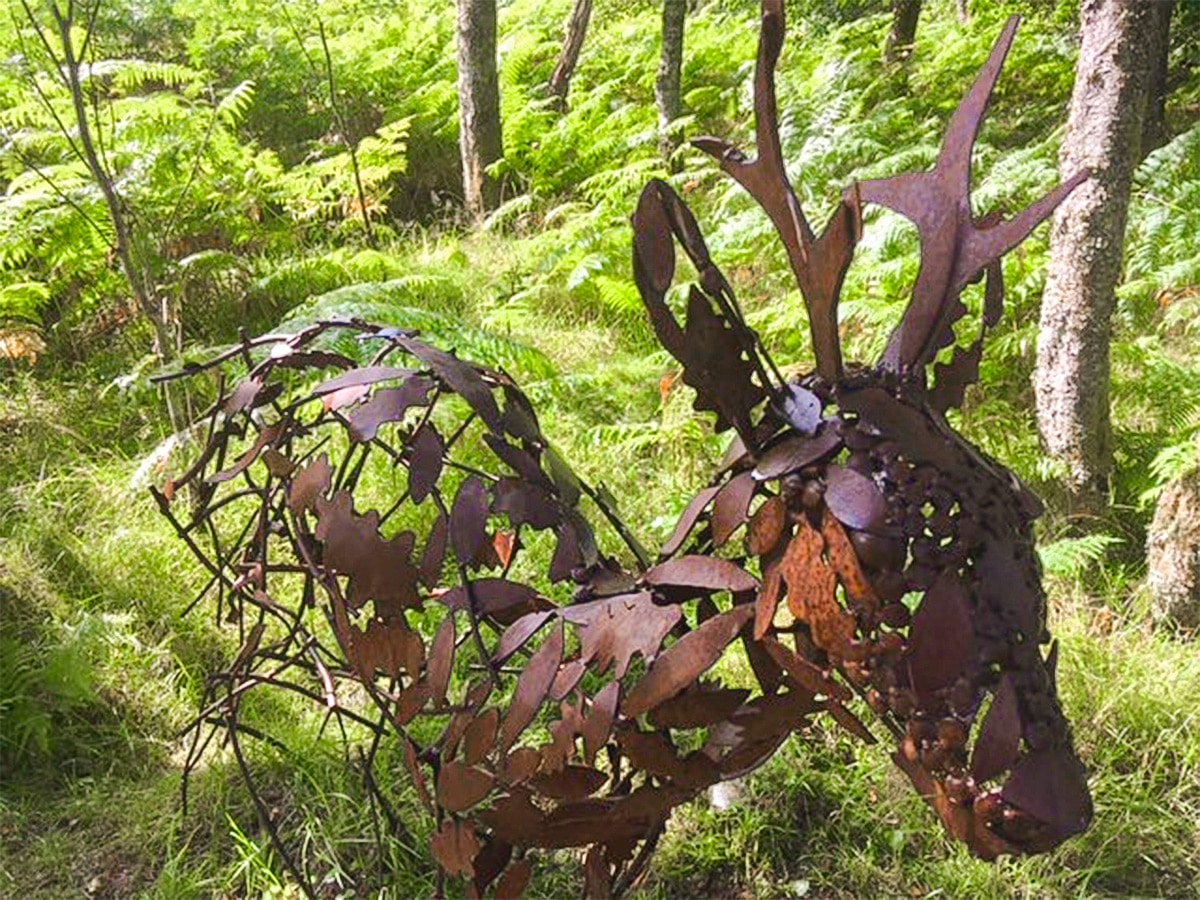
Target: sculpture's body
point(904, 555)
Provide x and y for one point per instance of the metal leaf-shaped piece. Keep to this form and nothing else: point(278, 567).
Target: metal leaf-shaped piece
point(434, 552)
point(767, 527)
point(999, 738)
point(698, 707)
point(441, 660)
point(686, 659)
point(513, 882)
point(497, 598)
point(855, 500)
point(942, 640)
point(688, 519)
point(480, 736)
point(455, 847)
point(1051, 785)
point(459, 786)
point(598, 723)
point(361, 377)
point(700, 573)
point(652, 753)
point(468, 521)
point(730, 507)
point(795, 452)
point(425, 461)
point(617, 629)
point(812, 591)
point(526, 504)
point(714, 346)
point(311, 482)
point(463, 378)
point(379, 570)
point(388, 405)
point(531, 688)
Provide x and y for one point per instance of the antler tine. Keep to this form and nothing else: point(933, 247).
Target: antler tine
point(765, 177)
point(955, 248)
point(819, 264)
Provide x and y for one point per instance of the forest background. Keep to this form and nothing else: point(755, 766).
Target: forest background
point(279, 163)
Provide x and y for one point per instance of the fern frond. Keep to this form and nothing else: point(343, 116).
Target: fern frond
point(23, 301)
point(235, 104)
point(1070, 557)
point(385, 303)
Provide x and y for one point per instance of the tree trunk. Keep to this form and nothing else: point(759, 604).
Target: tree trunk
point(904, 29)
point(129, 250)
point(1086, 243)
point(1154, 125)
point(135, 275)
point(670, 63)
point(964, 15)
point(1173, 554)
point(478, 103)
point(573, 34)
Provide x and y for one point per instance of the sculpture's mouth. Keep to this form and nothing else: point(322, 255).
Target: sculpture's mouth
point(1044, 801)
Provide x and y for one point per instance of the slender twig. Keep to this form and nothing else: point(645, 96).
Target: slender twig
point(93, 94)
point(169, 228)
point(28, 163)
point(90, 31)
point(336, 109)
point(33, 81)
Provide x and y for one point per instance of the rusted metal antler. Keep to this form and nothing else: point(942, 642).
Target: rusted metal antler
point(819, 263)
point(955, 248)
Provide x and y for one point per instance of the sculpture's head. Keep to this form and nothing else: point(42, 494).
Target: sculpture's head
point(542, 695)
point(906, 555)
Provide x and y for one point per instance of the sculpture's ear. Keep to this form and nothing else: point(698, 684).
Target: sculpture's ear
point(956, 249)
point(722, 357)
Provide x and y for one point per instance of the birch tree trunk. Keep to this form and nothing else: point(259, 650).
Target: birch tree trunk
point(478, 103)
point(670, 63)
point(1104, 130)
point(573, 34)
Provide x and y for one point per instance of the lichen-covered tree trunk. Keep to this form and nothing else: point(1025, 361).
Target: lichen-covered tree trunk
point(1103, 135)
point(568, 58)
point(670, 63)
point(904, 29)
point(478, 103)
point(1173, 553)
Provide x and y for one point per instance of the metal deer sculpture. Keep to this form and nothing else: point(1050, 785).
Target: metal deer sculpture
point(573, 703)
